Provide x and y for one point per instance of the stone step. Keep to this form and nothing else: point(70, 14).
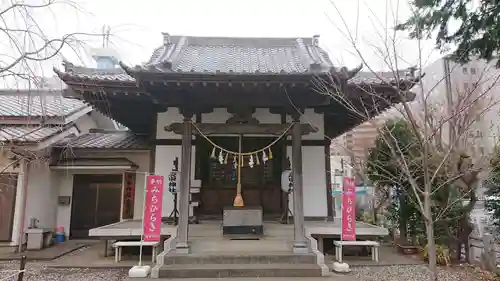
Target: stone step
point(239, 258)
point(241, 246)
point(239, 270)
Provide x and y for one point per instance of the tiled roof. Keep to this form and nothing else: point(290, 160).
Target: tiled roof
point(233, 56)
point(37, 103)
point(217, 55)
point(95, 74)
point(240, 55)
point(29, 134)
point(106, 140)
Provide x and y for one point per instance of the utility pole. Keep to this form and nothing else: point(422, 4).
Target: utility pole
point(106, 31)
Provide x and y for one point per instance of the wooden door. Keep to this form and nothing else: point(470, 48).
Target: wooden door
point(96, 202)
point(8, 185)
point(260, 184)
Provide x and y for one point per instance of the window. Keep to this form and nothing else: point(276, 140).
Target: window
point(473, 71)
point(464, 70)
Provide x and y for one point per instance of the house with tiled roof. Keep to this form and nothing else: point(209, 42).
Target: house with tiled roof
point(42, 132)
point(31, 121)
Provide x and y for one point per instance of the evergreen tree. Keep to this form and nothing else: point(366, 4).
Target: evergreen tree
point(478, 26)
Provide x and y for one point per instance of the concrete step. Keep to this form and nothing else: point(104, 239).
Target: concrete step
point(239, 258)
point(239, 270)
point(241, 246)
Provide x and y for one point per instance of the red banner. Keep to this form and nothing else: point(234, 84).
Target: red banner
point(152, 208)
point(349, 210)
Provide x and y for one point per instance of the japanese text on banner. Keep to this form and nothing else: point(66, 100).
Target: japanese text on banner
point(152, 208)
point(349, 210)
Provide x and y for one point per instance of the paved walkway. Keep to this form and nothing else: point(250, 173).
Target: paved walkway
point(47, 254)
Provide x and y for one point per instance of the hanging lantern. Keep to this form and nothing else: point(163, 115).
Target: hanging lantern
point(257, 158)
point(286, 181)
point(235, 163)
point(242, 160)
point(225, 159)
point(270, 154)
point(212, 155)
point(250, 162)
point(221, 157)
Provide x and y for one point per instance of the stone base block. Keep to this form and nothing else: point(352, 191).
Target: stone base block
point(139, 271)
point(242, 220)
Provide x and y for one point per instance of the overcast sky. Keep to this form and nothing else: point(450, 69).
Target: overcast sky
point(136, 26)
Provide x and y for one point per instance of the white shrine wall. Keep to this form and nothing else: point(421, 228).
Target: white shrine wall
point(314, 170)
point(313, 167)
point(165, 155)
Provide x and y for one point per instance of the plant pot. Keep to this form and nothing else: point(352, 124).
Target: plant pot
point(408, 249)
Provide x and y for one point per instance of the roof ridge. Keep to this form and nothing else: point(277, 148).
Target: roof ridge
point(23, 92)
point(108, 131)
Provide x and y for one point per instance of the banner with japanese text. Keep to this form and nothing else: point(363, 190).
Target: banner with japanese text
point(152, 208)
point(349, 210)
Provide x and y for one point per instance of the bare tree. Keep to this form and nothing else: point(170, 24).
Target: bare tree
point(26, 41)
point(446, 161)
point(29, 45)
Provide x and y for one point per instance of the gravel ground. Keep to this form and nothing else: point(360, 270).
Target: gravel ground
point(38, 272)
point(410, 273)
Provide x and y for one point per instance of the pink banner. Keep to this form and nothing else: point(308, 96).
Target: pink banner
point(152, 208)
point(349, 210)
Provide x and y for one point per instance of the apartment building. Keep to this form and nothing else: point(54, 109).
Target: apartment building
point(465, 99)
point(470, 91)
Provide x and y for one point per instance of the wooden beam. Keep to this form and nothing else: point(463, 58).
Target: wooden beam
point(237, 129)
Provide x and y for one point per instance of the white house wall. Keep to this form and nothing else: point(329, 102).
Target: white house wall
point(41, 196)
point(65, 182)
point(43, 187)
point(37, 189)
point(16, 223)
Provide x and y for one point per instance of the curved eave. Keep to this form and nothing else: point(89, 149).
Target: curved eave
point(90, 80)
point(402, 85)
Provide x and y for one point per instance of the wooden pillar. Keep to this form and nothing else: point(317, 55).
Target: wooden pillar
point(299, 244)
point(329, 188)
point(182, 246)
point(328, 128)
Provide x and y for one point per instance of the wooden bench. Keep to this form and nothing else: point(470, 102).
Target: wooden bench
point(339, 244)
point(120, 244)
